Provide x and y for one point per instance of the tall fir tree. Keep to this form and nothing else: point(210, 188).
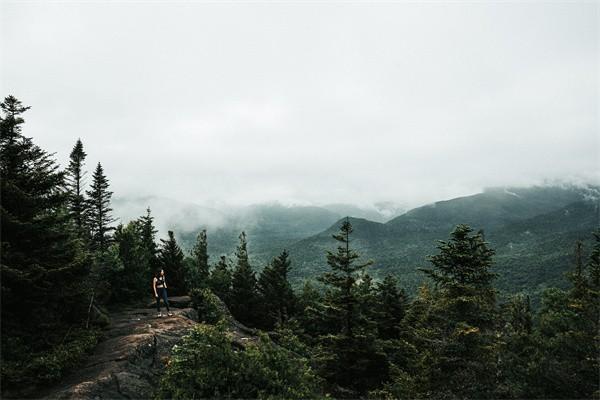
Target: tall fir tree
point(148, 237)
point(75, 180)
point(99, 216)
point(462, 361)
point(244, 296)
point(200, 268)
point(390, 306)
point(171, 258)
point(277, 296)
point(132, 282)
point(40, 259)
point(220, 280)
point(348, 357)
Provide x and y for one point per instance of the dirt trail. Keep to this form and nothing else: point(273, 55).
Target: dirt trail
point(127, 363)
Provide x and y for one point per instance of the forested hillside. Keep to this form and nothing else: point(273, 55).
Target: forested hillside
point(534, 231)
point(357, 329)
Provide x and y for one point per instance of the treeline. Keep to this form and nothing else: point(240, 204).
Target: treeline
point(64, 260)
point(367, 339)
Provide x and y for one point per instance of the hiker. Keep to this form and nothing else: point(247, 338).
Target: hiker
point(160, 290)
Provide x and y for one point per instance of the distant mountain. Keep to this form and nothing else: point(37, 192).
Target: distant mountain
point(533, 231)
point(270, 227)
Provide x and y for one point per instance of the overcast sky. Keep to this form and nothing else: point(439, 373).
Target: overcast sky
point(309, 102)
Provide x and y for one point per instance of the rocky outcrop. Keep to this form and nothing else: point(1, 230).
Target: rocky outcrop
point(127, 364)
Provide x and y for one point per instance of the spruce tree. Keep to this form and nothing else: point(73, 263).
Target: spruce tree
point(99, 216)
point(277, 296)
point(148, 237)
point(200, 266)
point(40, 259)
point(244, 296)
point(390, 307)
point(134, 280)
point(220, 280)
point(463, 314)
point(75, 176)
point(171, 258)
point(349, 359)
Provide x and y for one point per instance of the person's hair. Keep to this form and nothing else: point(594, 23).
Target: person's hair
point(157, 272)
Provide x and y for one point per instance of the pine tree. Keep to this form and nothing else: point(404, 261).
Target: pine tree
point(220, 280)
point(349, 359)
point(39, 257)
point(99, 212)
point(568, 336)
point(75, 176)
point(277, 296)
point(463, 314)
point(133, 281)
point(148, 237)
point(171, 258)
point(244, 296)
point(200, 266)
point(391, 303)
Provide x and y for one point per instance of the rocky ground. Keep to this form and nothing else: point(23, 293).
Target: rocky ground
point(127, 363)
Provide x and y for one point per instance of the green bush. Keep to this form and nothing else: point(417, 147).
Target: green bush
point(208, 365)
point(208, 305)
point(29, 369)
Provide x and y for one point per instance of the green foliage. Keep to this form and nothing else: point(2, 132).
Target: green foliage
point(198, 268)
point(208, 365)
point(43, 265)
point(244, 301)
point(22, 368)
point(276, 292)
point(132, 281)
point(171, 259)
point(457, 327)
point(99, 218)
point(207, 304)
point(75, 177)
point(349, 357)
point(220, 280)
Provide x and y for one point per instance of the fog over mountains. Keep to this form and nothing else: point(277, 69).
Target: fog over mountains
point(533, 229)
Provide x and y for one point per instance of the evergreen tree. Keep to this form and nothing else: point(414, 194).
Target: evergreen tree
point(516, 349)
point(75, 175)
point(349, 359)
point(171, 258)
point(220, 280)
point(244, 296)
point(39, 258)
point(311, 314)
point(390, 307)
point(567, 364)
point(462, 360)
point(148, 236)
point(132, 281)
point(99, 212)
point(276, 292)
point(200, 268)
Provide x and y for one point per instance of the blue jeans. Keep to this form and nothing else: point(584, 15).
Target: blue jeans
point(162, 293)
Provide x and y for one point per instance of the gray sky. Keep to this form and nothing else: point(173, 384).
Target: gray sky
point(307, 102)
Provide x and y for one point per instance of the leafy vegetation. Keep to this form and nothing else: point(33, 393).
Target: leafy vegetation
point(208, 365)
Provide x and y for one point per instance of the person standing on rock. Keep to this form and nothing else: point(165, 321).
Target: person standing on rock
point(160, 291)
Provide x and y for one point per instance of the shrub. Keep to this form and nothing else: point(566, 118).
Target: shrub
point(208, 365)
point(29, 369)
point(208, 305)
